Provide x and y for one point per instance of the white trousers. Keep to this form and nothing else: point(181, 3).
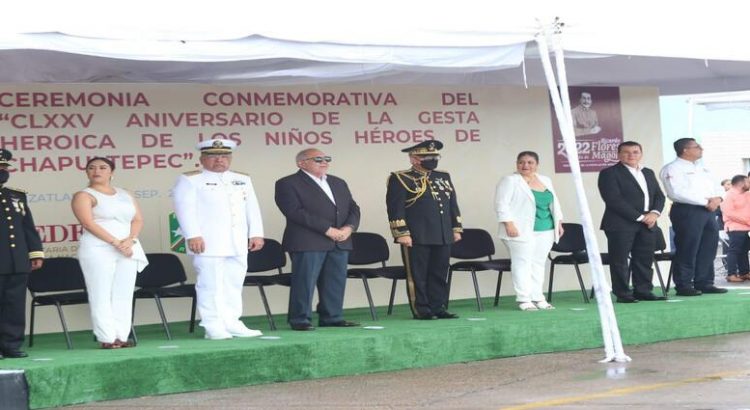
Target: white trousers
point(527, 265)
point(219, 291)
point(110, 281)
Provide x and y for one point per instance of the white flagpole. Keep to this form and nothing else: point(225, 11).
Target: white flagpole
point(561, 102)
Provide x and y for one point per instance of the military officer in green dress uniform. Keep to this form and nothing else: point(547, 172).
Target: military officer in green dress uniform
point(20, 253)
point(425, 220)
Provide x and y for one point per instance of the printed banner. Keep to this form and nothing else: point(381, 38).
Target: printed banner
point(150, 132)
point(597, 121)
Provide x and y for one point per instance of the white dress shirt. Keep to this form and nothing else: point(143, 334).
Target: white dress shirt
point(688, 182)
point(641, 180)
point(323, 184)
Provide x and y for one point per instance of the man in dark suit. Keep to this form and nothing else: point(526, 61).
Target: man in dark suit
point(425, 219)
point(633, 203)
point(321, 216)
point(20, 253)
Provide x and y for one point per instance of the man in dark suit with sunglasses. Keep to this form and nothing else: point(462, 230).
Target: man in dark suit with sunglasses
point(321, 216)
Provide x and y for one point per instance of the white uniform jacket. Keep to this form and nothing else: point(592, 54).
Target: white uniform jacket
point(515, 202)
point(220, 207)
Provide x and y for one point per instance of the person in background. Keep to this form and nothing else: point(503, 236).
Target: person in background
point(321, 215)
point(20, 253)
point(529, 222)
point(109, 253)
point(425, 220)
point(736, 214)
point(726, 184)
point(696, 195)
point(220, 219)
point(633, 203)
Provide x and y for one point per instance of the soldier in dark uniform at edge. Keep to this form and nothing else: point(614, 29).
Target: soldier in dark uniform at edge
point(20, 253)
point(425, 219)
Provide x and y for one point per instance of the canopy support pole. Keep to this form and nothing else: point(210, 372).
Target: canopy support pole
point(613, 348)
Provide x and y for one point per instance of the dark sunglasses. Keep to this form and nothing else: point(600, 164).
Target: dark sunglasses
point(320, 159)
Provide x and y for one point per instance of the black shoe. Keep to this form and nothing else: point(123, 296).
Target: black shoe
point(648, 296)
point(688, 292)
point(626, 299)
point(713, 289)
point(14, 354)
point(302, 326)
point(446, 315)
point(425, 317)
point(341, 323)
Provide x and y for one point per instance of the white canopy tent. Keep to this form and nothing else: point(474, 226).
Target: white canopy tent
point(679, 49)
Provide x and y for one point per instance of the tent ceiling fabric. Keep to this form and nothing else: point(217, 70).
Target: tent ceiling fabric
point(29, 66)
point(395, 42)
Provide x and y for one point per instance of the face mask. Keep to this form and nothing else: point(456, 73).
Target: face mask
point(4, 175)
point(429, 164)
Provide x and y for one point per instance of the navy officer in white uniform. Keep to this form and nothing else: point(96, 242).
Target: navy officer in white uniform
point(696, 195)
point(220, 218)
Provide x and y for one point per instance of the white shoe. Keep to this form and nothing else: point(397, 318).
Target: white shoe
point(247, 333)
point(218, 335)
point(215, 331)
point(526, 306)
point(242, 331)
point(544, 305)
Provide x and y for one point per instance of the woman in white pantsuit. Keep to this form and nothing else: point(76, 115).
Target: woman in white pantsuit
point(529, 220)
point(109, 252)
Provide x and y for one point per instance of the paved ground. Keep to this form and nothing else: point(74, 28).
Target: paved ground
point(702, 373)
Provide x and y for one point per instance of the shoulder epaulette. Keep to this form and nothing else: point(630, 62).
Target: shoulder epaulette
point(409, 173)
point(191, 173)
point(241, 173)
point(10, 188)
point(413, 182)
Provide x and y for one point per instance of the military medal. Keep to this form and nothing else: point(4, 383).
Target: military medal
point(16, 204)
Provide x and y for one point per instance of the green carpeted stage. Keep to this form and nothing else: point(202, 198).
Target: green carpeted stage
point(58, 376)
